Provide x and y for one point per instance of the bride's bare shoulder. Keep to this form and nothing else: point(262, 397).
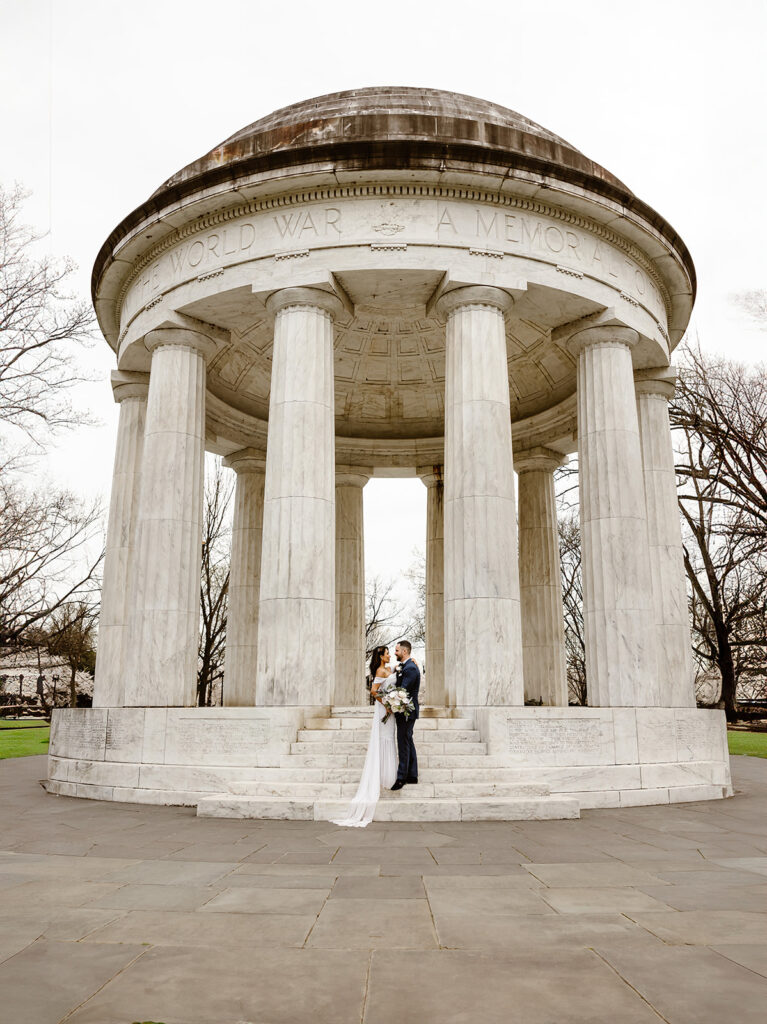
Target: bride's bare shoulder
point(382, 673)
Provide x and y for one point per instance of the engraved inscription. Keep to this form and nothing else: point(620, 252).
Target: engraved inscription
point(557, 736)
point(686, 733)
point(309, 223)
point(697, 738)
point(481, 228)
point(237, 741)
point(83, 736)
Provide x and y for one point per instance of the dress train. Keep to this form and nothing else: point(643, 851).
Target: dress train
point(379, 770)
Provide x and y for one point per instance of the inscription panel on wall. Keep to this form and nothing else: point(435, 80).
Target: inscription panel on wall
point(215, 742)
point(698, 735)
point(125, 734)
point(423, 220)
point(80, 734)
point(555, 741)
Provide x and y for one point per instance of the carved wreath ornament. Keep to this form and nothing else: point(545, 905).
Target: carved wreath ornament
point(390, 225)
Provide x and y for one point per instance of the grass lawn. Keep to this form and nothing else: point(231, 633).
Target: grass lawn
point(20, 739)
point(752, 743)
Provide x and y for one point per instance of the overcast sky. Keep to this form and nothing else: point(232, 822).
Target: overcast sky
point(101, 102)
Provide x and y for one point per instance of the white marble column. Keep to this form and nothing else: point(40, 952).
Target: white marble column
point(618, 620)
point(540, 579)
point(296, 628)
point(130, 392)
point(165, 621)
point(349, 667)
point(654, 389)
point(244, 578)
point(483, 635)
point(432, 477)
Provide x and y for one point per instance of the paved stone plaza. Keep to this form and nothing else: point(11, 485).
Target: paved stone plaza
point(116, 913)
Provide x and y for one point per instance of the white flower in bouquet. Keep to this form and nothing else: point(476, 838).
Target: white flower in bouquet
point(397, 700)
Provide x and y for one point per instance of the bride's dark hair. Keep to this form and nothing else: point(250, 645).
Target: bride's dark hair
point(375, 661)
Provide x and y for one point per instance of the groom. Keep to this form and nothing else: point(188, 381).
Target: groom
point(409, 678)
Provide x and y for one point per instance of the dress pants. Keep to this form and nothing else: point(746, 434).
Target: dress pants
point(407, 769)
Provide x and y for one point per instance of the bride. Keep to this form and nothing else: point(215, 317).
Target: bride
point(380, 767)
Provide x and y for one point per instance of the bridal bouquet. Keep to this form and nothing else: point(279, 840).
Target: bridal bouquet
point(397, 700)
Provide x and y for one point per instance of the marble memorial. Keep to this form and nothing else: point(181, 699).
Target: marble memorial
point(394, 282)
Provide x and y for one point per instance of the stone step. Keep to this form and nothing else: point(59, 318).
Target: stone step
point(425, 790)
point(363, 736)
point(345, 774)
point(426, 711)
point(425, 747)
point(291, 790)
point(356, 722)
point(344, 760)
point(406, 808)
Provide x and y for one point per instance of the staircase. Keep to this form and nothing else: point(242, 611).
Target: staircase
point(458, 780)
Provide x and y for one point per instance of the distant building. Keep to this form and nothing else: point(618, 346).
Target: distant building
point(32, 663)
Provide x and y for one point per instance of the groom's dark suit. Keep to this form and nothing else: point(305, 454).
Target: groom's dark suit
point(409, 678)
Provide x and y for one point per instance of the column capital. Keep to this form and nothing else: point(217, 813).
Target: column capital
point(603, 334)
point(539, 458)
point(126, 384)
point(181, 337)
point(314, 297)
point(473, 295)
point(246, 460)
point(431, 475)
point(352, 476)
point(660, 380)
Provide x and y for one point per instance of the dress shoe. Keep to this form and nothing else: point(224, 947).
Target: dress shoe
point(411, 782)
point(398, 784)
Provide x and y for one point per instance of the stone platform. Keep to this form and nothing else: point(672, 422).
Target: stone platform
point(500, 763)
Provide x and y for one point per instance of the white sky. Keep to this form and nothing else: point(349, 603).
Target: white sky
point(102, 101)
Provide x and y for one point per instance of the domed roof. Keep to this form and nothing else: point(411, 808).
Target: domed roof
point(385, 126)
point(382, 134)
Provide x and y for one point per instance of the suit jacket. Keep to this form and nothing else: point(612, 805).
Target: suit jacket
point(409, 678)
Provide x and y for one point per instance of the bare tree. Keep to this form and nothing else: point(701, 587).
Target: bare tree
point(40, 328)
point(726, 569)
point(416, 576)
point(45, 539)
point(71, 635)
point(754, 304)
point(719, 415)
point(47, 567)
point(572, 602)
point(214, 582)
point(386, 620)
point(721, 406)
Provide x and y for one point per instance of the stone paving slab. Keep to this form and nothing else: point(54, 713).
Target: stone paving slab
point(479, 904)
point(590, 900)
point(180, 928)
point(233, 986)
point(719, 984)
point(701, 896)
point(705, 927)
point(460, 987)
point(407, 887)
point(549, 934)
point(247, 900)
point(752, 957)
point(111, 914)
point(135, 896)
point(373, 924)
point(48, 979)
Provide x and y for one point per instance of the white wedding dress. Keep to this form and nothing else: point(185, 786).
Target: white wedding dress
point(379, 770)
